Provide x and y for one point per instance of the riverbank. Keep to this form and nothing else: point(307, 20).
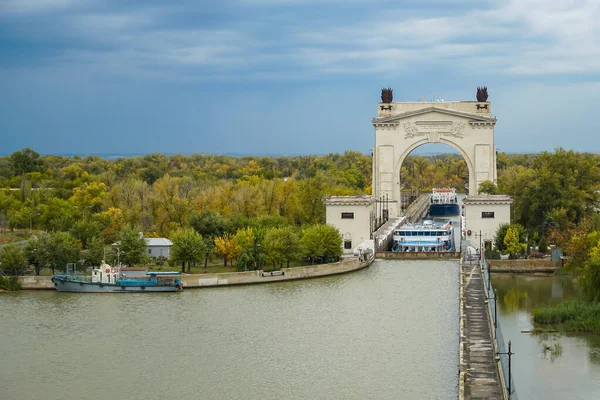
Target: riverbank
point(573, 315)
point(522, 266)
point(235, 278)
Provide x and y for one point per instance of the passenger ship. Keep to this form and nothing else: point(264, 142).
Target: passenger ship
point(444, 202)
point(425, 236)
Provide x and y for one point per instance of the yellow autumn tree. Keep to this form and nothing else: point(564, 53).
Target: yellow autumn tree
point(227, 247)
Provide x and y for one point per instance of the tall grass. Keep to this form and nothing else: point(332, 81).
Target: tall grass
point(9, 283)
point(574, 315)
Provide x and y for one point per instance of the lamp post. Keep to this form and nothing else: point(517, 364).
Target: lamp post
point(495, 308)
point(509, 354)
point(480, 248)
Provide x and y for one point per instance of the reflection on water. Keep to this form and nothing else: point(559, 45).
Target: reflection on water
point(549, 365)
point(386, 332)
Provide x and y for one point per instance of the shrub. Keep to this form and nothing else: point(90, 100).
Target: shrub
point(9, 283)
point(492, 254)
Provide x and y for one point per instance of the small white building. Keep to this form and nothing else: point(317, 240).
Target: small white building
point(483, 215)
point(157, 247)
point(351, 215)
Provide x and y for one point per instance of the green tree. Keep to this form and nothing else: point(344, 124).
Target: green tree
point(321, 242)
point(209, 249)
point(511, 242)
point(208, 223)
point(13, 260)
point(188, 247)
point(85, 230)
point(93, 254)
point(487, 187)
point(22, 162)
point(590, 278)
point(132, 246)
point(281, 244)
point(250, 255)
point(543, 245)
point(56, 249)
point(501, 234)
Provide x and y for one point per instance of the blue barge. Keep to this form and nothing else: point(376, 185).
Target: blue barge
point(107, 279)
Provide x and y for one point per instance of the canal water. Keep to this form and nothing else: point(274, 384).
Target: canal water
point(546, 366)
point(387, 332)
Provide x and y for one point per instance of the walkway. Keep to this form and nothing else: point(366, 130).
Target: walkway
point(481, 381)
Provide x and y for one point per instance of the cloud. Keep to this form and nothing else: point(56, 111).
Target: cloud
point(37, 6)
point(519, 37)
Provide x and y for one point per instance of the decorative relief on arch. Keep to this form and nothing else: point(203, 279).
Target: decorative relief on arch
point(434, 128)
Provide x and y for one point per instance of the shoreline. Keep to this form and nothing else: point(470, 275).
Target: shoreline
point(197, 281)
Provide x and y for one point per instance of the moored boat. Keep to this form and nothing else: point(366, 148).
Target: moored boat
point(107, 279)
point(443, 202)
point(424, 237)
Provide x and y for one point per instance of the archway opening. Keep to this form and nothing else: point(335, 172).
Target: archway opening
point(429, 166)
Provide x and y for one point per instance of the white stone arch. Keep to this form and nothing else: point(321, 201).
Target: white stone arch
point(400, 161)
point(400, 128)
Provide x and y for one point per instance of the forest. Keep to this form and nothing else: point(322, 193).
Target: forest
point(251, 212)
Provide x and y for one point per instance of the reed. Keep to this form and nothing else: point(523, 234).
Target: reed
point(574, 315)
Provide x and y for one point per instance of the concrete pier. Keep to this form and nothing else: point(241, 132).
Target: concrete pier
point(479, 373)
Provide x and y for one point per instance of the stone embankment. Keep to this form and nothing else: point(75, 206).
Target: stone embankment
point(236, 278)
point(522, 266)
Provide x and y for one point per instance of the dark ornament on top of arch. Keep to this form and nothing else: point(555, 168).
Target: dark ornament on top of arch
point(387, 95)
point(482, 94)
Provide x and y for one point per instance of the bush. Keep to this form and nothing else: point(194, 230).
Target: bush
point(9, 283)
point(543, 245)
point(492, 254)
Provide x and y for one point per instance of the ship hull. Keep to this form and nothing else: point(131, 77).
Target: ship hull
point(444, 210)
point(63, 285)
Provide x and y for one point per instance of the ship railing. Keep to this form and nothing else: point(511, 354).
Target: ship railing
point(75, 277)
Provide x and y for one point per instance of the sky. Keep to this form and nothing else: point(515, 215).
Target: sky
point(288, 77)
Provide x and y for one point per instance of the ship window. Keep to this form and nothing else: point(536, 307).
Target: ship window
point(347, 244)
point(487, 214)
point(347, 215)
point(427, 233)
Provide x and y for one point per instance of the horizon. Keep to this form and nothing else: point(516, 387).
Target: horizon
point(114, 156)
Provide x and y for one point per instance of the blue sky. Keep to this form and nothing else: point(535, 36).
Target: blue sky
point(288, 76)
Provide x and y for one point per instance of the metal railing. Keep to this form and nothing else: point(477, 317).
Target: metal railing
point(504, 353)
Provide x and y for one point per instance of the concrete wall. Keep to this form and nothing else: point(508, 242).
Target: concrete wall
point(254, 277)
point(36, 282)
point(355, 229)
point(488, 226)
point(157, 251)
point(521, 266)
point(234, 278)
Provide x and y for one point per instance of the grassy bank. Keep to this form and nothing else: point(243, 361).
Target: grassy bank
point(574, 315)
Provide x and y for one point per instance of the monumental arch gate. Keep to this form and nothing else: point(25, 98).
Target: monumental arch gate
point(467, 126)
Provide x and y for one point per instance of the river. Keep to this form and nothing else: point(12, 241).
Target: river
point(572, 372)
point(387, 332)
